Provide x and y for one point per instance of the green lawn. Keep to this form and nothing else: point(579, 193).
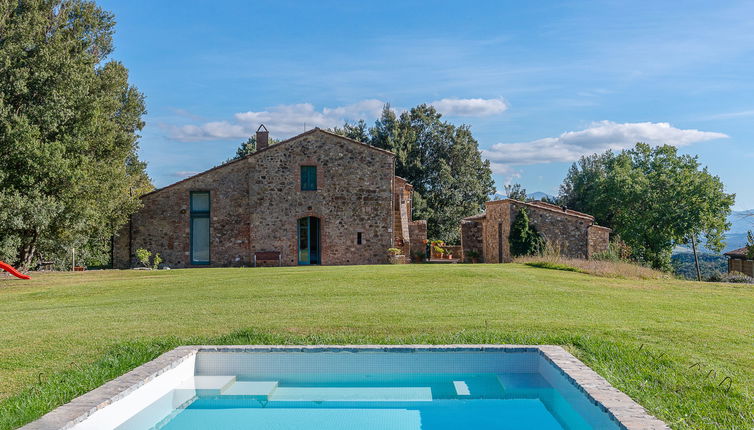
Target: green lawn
point(64, 334)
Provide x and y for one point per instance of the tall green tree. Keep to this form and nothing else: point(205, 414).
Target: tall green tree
point(516, 192)
point(442, 161)
point(69, 123)
point(524, 238)
point(652, 197)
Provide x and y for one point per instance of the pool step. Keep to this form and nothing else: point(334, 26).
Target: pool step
point(351, 394)
point(207, 385)
point(251, 388)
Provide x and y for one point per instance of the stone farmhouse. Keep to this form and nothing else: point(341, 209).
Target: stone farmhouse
point(317, 198)
point(738, 261)
point(575, 233)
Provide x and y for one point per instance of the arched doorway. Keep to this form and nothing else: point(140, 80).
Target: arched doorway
point(308, 240)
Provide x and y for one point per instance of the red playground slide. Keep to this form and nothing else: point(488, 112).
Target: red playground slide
point(13, 271)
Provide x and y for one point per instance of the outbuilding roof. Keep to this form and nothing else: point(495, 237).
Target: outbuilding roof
point(738, 253)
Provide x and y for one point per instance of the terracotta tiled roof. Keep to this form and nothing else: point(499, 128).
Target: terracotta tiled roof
point(541, 205)
point(475, 217)
point(740, 252)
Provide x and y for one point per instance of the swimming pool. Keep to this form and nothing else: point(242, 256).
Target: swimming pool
point(356, 387)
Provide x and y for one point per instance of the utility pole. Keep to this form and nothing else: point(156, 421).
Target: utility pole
point(696, 259)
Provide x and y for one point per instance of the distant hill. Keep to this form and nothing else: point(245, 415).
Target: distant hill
point(741, 223)
point(709, 264)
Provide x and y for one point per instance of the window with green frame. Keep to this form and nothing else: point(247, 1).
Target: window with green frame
point(308, 178)
point(200, 207)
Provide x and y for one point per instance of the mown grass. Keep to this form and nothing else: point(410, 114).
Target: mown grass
point(554, 266)
point(64, 334)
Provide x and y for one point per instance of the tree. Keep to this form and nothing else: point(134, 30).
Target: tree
point(516, 192)
point(247, 148)
point(524, 238)
point(69, 123)
point(750, 245)
point(653, 198)
point(442, 161)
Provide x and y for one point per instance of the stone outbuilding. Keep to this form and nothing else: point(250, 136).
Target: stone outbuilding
point(317, 198)
point(574, 233)
point(739, 262)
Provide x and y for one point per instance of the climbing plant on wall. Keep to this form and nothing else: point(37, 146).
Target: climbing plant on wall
point(524, 238)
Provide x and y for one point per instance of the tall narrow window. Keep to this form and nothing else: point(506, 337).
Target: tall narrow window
point(359, 239)
point(308, 178)
point(200, 206)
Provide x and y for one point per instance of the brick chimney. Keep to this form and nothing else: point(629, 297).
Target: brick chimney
point(263, 138)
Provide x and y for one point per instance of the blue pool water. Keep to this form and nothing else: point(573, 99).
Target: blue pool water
point(388, 391)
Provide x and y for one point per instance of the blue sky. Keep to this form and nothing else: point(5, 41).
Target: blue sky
point(540, 83)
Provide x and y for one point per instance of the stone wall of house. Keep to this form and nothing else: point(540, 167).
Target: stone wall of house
point(565, 232)
point(418, 235)
point(402, 205)
point(599, 239)
point(354, 195)
point(471, 238)
point(571, 232)
point(256, 203)
point(163, 224)
point(495, 232)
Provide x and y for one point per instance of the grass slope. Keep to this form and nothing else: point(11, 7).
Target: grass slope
point(668, 344)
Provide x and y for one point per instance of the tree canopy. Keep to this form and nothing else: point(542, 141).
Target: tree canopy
point(516, 192)
point(69, 123)
point(442, 161)
point(652, 197)
point(248, 147)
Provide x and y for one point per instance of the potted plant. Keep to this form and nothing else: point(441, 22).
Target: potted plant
point(473, 256)
point(394, 256)
point(437, 249)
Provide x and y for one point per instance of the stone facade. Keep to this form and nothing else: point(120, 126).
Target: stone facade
point(256, 203)
point(574, 233)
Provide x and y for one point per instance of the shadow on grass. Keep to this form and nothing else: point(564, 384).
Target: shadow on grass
point(684, 396)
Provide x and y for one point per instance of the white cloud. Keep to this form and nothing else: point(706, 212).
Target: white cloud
point(470, 107)
point(282, 121)
point(741, 114)
point(599, 137)
point(287, 120)
point(184, 173)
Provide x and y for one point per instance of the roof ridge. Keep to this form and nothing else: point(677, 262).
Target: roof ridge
point(253, 154)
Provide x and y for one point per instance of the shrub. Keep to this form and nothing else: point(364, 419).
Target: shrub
point(617, 250)
point(732, 277)
point(524, 238)
point(393, 251)
point(156, 261)
point(143, 256)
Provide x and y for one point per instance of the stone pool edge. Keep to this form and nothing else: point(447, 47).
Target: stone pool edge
point(624, 410)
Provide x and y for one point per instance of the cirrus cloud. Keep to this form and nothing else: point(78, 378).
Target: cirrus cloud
point(599, 137)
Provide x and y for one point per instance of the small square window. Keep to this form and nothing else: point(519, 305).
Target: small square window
point(308, 178)
point(359, 239)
